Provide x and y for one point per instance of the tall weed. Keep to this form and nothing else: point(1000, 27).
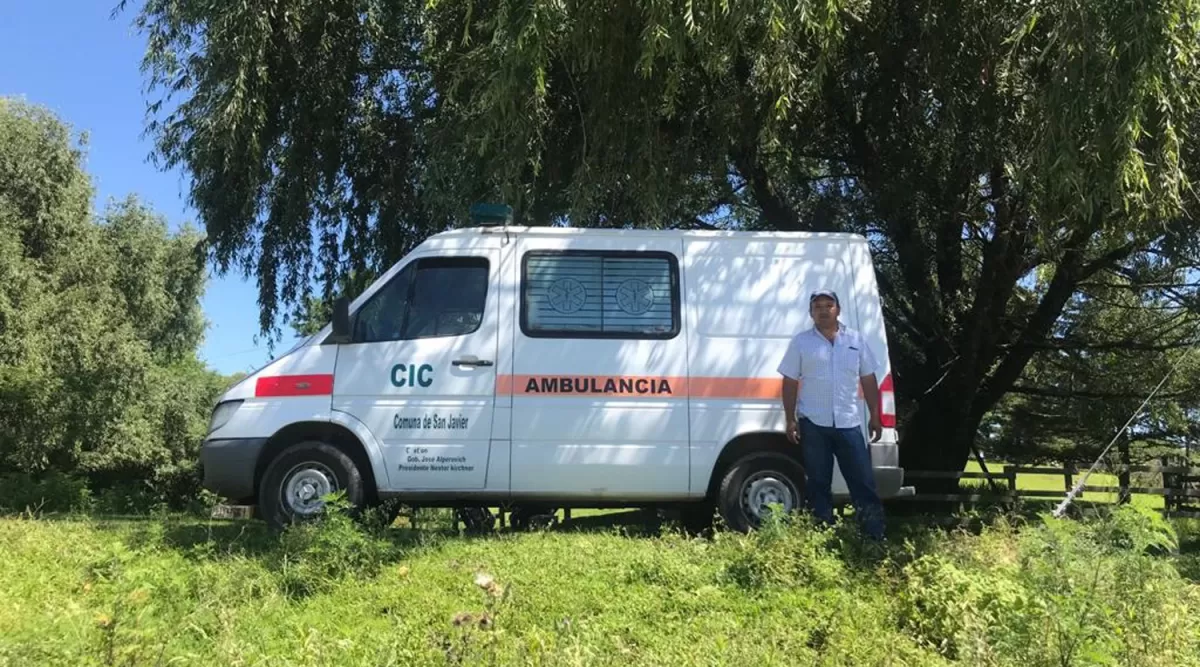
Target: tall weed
point(1092, 592)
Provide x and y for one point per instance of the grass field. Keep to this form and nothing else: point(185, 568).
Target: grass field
point(172, 589)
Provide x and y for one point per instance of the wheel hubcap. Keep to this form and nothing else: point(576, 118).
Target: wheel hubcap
point(764, 489)
point(305, 485)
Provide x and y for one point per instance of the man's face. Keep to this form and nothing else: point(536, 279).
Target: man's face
point(824, 311)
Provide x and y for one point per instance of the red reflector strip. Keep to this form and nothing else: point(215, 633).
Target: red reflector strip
point(294, 385)
point(887, 403)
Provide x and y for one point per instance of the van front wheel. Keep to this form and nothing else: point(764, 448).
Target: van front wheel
point(754, 484)
point(296, 481)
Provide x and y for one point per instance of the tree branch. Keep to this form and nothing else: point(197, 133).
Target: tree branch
point(773, 206)
point(1070, 271)
point(1139, 286)
point(1049, 392)
point(1108, 259)
point(1130, 345)
point(1002, 266)
point(1141, 307)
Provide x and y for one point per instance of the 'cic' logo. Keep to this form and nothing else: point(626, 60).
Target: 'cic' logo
point(412, 375)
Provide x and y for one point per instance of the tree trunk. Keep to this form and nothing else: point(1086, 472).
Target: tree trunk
point(938, 434)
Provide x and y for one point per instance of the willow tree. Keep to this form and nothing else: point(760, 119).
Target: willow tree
point(997, 154)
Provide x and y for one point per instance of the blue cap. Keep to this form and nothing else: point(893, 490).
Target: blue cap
point(825, 292)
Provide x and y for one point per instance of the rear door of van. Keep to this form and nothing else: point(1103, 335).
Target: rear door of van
point(868, 316)
point(421, 372)
point(599, 395)
point(747, 298)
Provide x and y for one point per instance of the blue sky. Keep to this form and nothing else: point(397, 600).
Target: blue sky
point(71, 57)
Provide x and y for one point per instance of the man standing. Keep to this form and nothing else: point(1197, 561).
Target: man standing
point(822, 371)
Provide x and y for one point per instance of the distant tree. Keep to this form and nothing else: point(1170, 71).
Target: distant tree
point(100, 320)
point(999, 155)
point(316, 310)
point(1115, 343)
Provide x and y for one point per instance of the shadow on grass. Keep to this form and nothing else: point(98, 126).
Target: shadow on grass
point(223, 538)
point(912, 532)
point(198, 538)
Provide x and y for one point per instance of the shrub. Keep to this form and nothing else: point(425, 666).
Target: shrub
point(54, 492)
point(1077, 592)
point(313, 556)
point(788, 550)
point(954, 610)
point(51, 492)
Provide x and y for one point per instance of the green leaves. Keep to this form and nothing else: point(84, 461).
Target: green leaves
point(1112, 81)
point(997, 154)
point(99, 322)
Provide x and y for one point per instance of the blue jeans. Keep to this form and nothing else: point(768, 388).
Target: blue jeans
point(819, 445)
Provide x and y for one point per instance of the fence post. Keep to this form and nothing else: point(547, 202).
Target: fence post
point(1011, 473)
point(1068, 473)
point(1123, 478)
point(1168, 482)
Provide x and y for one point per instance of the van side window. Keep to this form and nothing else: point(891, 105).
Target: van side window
point(431, 297)
point(600, 294)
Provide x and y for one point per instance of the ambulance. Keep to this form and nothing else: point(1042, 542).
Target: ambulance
point(544, 368)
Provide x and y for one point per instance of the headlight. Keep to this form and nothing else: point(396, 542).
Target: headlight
point(222, 414)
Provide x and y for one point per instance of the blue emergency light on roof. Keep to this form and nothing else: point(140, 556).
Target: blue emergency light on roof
point(490, 215)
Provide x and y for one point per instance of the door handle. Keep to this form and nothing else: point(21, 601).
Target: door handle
point(471, 361)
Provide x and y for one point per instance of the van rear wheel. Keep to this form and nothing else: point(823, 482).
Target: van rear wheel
point(532, 517)
point(756, 482)
point(295, 482)
point(477, 520)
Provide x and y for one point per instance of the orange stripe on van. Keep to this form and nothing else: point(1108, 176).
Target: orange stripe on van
point(648, 386)
point(636, 386)
point(504, 385)
point(751, 388)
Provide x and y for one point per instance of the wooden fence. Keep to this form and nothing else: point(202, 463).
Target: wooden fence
point(1179, 485)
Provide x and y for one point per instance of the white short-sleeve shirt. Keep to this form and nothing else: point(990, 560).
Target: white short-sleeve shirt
point(829, 375)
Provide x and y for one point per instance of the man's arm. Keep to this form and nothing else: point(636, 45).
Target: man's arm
point(791, 368)
point(791, 389)
point(870, 388)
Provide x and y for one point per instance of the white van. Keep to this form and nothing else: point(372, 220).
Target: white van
point(534, 367)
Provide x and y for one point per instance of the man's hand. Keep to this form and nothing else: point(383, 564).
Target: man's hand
point(793, 432)
point(876, 428)
point(870, 389)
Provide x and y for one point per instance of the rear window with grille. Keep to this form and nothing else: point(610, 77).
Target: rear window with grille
point(600, 294)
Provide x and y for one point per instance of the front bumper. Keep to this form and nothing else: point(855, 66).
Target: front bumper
point(229, 466)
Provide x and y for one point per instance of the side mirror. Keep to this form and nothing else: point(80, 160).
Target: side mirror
point(341, 320)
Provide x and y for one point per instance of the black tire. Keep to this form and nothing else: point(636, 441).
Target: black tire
point(779, 474)
point(310, 462)
point(696, 518)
